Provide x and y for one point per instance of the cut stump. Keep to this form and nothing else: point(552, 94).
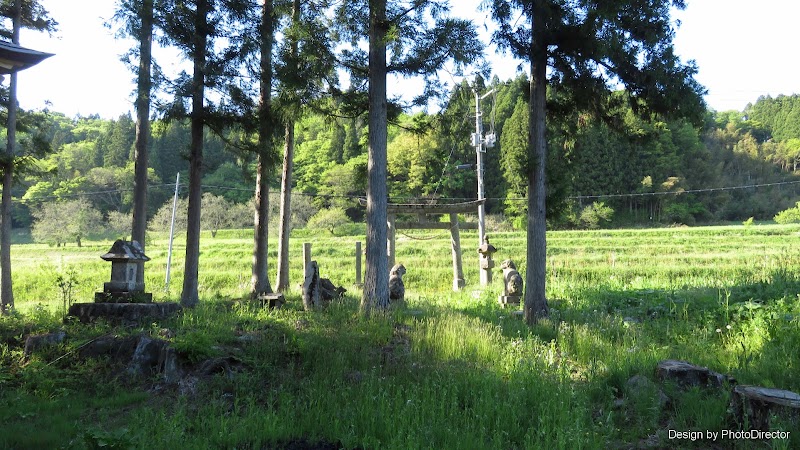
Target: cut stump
point(753, 406)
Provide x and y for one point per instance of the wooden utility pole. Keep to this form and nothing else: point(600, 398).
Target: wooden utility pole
point(479, 142)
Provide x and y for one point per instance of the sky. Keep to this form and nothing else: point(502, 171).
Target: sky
point(743, 49)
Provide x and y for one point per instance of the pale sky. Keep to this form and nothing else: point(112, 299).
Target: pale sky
point(744, 50)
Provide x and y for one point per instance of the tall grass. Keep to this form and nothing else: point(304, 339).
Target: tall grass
point(447, 369)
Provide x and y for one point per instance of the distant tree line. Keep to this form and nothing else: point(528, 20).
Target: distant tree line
point(92, 160)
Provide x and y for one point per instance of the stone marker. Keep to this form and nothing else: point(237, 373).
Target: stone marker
point(311, 286)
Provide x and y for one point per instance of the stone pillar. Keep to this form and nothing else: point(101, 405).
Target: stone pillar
point(306, 254)
point(311, 286)
point(391, 238)
point(455, 243)
point(358, 264)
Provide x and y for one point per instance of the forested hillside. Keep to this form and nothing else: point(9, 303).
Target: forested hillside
point(618, 170)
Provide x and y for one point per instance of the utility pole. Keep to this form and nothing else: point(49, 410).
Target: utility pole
point(172, 228)
point(480, 143)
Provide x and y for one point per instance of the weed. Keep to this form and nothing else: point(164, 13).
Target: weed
point(66, 281)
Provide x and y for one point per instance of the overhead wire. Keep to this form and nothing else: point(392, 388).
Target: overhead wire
point(412, 200)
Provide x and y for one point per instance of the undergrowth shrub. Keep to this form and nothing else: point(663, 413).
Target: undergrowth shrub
point(791, 215)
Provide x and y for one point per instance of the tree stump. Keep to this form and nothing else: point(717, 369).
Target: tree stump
point(752, 406)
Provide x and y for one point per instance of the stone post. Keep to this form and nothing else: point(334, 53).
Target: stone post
point(391, 238)
point(306, 254)
point(359, 283)
point(455, 243)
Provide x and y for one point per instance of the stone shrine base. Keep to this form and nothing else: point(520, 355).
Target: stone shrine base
point(126, 313)
point(123, 297)
point(506, 300)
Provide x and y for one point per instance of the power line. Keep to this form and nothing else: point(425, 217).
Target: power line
point(686, 191)
point(90, 194)
point(354, 197)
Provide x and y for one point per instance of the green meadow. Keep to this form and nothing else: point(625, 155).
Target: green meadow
point(443, 370)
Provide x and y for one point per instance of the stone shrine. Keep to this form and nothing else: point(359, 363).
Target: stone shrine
point(127, 258)
point(123, 299)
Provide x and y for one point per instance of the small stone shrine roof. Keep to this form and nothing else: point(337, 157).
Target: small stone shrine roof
point(129, 251)
point(486, 247)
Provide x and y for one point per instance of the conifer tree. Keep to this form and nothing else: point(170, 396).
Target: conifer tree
point(137, 19)
point(305, 69)
point(419, 38)
point(196, 27)
point(588, 49)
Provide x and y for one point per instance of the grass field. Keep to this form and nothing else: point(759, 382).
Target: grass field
point(445, 370)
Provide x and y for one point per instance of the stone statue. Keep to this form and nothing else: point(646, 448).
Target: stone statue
point(330, 291)
point(512, 281)
point(397, 291)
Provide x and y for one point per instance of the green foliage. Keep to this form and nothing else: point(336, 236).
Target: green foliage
point(331, 219)
point(228, 182)
point(119, 225)
point(162, 220)
point(341, 184)
point(779, 116)
point(66, 281)
point(791, 215)
point(414, 166)
point(514, 150)
point(215, 213)
point(587, 156)
point(70, 221)
point(595, 215)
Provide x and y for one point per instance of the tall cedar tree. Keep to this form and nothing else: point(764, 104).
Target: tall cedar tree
point(137, 21)
point(305, 69)
point(590, 49)
point(196, 27)
point(31, 15)
point(266, 126)
point(286, 83)
point(284, 219)
point(420, 39)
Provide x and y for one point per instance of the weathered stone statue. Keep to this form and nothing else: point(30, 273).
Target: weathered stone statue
point(397, 291)
point(512, 284)
point(329, 290)
point(512, 281)
point(311, 287)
